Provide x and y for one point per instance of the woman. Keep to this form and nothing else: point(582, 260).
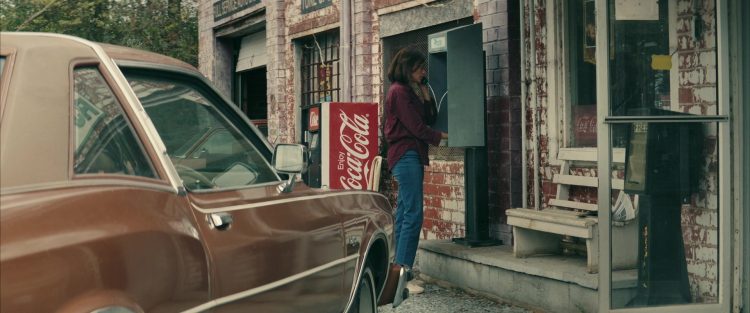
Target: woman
point(409, 109)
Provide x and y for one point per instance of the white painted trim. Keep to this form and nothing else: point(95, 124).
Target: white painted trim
point(297, 73)
point(314, 31)
point(524, 92)
point(282, 201)
point(261, 289)
point(533, 98)
point(325, 141)
point(555, 79)
point(674, 72)
point(604, 153)
point(403, 6)
point(725, 157)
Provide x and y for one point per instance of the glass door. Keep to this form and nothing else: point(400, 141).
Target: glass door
point(664, 216)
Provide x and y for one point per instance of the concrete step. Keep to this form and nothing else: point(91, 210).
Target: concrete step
point(550, 283)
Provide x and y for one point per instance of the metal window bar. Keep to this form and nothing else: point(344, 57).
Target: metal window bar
point(320, 68)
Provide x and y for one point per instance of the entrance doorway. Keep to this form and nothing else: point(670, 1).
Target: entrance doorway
point(252, 96)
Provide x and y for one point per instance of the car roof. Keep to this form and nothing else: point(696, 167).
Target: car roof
point(35, 105)
point(118, 53)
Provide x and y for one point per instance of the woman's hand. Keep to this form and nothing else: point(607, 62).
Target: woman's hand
point(443, 135)
point(425, 93)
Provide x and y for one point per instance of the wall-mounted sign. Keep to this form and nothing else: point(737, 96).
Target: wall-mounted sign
point(313, 122)
point(637, 10)
point(584, 125)
point(224, 8)
point(312, 5)
point(437, 44)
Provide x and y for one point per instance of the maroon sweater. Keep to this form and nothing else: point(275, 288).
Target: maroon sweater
point(406, 124)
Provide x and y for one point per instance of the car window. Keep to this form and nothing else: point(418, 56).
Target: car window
point(208, 151)
point(2, 64)
point(105, 142)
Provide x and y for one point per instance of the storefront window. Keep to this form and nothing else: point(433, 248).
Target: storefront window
point(320, 68)
point(663, 58)
point(663, 64)
point(581, 34)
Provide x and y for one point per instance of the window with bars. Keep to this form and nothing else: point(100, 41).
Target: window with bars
point(320, 68)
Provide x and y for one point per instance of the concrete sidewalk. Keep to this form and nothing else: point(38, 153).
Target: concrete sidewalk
point(441, 298)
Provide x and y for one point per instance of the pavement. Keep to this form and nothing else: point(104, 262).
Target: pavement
point(446, 299)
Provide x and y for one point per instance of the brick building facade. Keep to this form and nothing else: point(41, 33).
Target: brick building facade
point(377, 29)
point(542, 92)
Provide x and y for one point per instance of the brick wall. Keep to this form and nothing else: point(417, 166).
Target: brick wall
point(502, 49)
point(697, 95)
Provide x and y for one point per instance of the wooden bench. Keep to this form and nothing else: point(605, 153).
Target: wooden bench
point(541, 231)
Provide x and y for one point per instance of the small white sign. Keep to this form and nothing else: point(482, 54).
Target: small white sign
point(637, 10)
point(437, 43)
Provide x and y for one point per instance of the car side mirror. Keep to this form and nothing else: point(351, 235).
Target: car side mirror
point(289, 159)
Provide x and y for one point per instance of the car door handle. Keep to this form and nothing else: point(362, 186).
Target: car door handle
point(220, 221)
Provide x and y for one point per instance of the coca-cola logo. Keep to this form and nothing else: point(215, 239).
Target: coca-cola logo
point(313, 120)
point(355, 159)
point(586, 125)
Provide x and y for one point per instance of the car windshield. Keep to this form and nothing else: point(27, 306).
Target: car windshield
point(208, 150)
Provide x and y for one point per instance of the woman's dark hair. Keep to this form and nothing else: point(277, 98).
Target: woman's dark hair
point(403, 64)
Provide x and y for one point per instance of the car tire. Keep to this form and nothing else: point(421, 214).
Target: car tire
point(365, 300)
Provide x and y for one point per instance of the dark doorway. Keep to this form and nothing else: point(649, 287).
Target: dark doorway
point(252, 96)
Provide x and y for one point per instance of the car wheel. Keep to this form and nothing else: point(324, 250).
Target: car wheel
point(365, 300)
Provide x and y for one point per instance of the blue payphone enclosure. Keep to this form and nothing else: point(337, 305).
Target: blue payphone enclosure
point(456, 75)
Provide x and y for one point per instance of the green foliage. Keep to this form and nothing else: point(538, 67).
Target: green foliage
point(168, 27)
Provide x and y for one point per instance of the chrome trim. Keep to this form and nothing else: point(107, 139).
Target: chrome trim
point(280, 201)
point(113, 309)
point(666, 119)
point(92, 182)
point(261, 289)
point(208, 191)
point(143, 119)
point(375, 236)
point(198, 75)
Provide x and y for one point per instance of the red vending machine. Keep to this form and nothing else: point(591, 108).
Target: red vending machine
point(342, 138)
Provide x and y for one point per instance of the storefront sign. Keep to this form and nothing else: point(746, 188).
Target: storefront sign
point(312, 5)
point(313, 119)
point(584, 125)
point(224, 8)
point(350, 144)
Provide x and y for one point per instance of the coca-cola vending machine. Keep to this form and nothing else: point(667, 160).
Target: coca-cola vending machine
point(342, 138)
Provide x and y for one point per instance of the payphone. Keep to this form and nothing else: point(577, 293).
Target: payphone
point(663, 166)
point(456, 79)
point(456, 75)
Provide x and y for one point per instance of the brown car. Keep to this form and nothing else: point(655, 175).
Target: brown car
point(130, 185)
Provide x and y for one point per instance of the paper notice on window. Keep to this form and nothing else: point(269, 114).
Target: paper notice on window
point(637, 10)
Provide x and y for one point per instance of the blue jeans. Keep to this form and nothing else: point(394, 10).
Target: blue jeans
point(409, 173)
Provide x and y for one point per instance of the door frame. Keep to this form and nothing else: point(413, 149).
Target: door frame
point(604, 143)
point(743, 133)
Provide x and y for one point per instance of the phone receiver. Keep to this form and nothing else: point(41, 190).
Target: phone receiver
point(424, 81)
